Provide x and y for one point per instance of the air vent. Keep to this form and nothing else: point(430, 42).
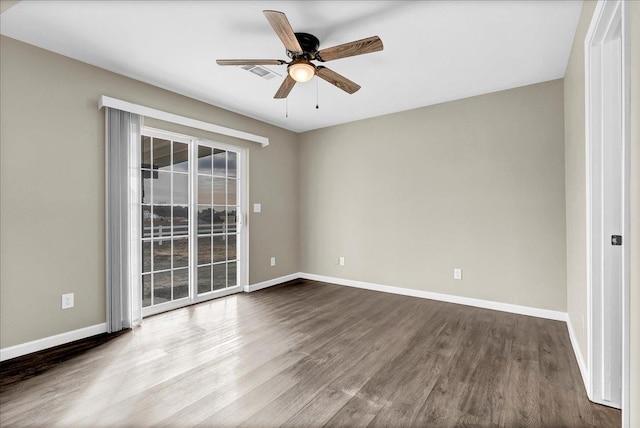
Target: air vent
point(261, 71)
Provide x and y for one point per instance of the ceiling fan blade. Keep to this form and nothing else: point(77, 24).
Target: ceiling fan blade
point(359, 47)
point(281, 26)
point(285, 88)
point(337, 80)
point(250, 62)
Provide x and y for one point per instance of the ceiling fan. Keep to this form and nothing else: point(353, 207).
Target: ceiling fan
point(302, 48)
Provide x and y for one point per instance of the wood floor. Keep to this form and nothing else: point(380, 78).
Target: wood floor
point(311, 354)
point(27, 366)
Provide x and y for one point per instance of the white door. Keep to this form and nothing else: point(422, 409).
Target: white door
point(607, 194)
point(612, 185)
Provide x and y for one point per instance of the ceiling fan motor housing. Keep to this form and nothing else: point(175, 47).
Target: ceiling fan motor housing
point(309, 44)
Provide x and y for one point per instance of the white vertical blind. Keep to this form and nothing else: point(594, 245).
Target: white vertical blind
point(124, 301)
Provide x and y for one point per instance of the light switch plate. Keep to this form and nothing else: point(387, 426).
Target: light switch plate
point(257, 208)
point(273, 261)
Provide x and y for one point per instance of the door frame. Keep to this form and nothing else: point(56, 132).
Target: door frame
point(608, 15)
point(242, 235)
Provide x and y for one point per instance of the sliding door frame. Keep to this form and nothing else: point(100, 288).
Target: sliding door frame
point(242, 241)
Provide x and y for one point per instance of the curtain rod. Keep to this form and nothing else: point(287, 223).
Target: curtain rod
point(180, 120)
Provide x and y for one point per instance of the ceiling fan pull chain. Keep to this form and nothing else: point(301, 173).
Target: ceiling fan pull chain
point(317, 92)
point(286, 108)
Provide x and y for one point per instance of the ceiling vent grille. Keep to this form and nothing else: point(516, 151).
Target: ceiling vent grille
point(263, 72)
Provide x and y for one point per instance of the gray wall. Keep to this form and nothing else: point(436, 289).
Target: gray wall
point(52, 188)
point(575, 181)
point(476, 183)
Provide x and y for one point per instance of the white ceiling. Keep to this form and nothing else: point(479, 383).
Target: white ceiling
point(434, 51)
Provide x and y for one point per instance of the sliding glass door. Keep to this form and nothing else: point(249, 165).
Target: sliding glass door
point(218, 206)
point(192, 205)
point(164, 170)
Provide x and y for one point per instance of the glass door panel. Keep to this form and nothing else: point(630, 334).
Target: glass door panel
point(217, 219)
point(164, 171)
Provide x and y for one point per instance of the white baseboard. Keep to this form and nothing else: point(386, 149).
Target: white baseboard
point(59, 339)
point(581, 361)
point(51, 341)
point(469, 301)
point(272, 282)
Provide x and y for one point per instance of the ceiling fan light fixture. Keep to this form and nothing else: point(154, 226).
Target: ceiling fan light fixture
point(301, 71)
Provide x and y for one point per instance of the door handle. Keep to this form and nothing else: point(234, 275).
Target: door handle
point(616, 240)
point(240, 220)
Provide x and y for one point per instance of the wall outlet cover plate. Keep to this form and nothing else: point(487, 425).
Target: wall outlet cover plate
point(67, 301)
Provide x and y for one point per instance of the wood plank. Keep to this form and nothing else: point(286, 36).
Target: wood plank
point(281, 26)
point(337, 80)
point(358, 47)
point(249, 62)
point(287, 85)
point(522, 383)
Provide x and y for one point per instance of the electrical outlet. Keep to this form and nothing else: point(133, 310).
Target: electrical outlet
point(341, 261)
point(273, 261)
point(67, 301)
point(457, 273)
